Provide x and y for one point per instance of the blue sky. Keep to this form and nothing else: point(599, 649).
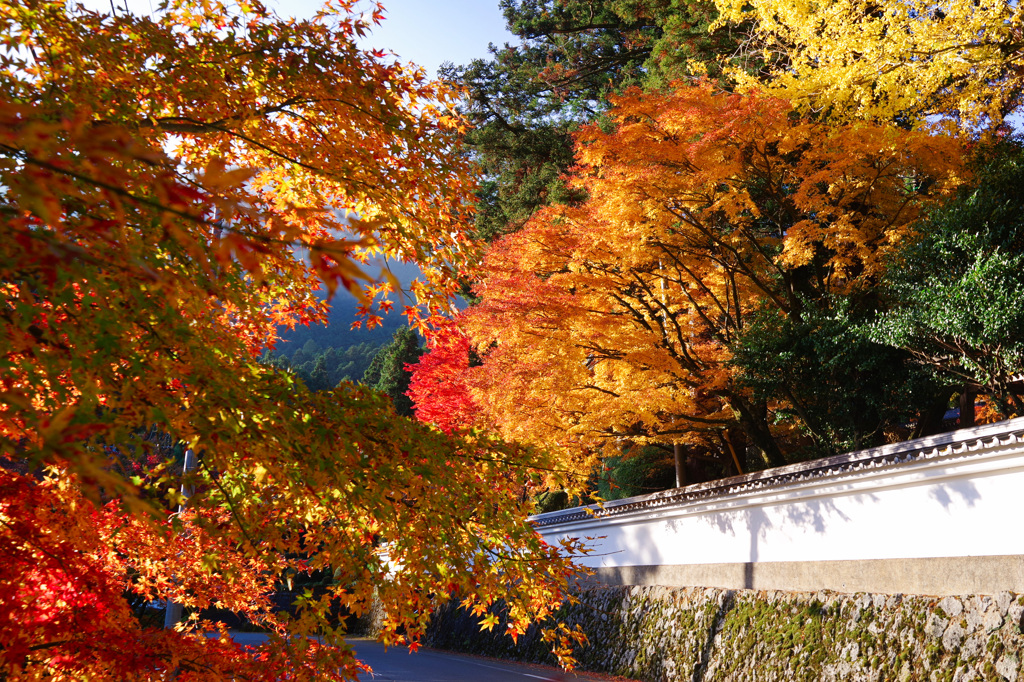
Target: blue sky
point(427, 32)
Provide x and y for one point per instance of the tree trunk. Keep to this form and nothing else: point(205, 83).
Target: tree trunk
point(677, 452)
point(929, 422)
point(754, 420)
point(729, 440)
point(967, 398)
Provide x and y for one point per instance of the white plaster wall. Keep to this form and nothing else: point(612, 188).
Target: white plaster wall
point(952, 505)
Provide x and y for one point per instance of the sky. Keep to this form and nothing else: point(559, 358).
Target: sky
point(426, 32)
point(429, 32)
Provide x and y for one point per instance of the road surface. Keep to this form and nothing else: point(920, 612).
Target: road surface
point(429, 665)
point(396, 664)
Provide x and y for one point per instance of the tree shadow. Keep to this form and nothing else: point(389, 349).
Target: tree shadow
point(943, 493)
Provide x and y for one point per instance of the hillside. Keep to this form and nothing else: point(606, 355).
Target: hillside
point(338, 332)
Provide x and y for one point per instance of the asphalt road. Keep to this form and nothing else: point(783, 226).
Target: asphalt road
point(429, 665)
point(397, 664)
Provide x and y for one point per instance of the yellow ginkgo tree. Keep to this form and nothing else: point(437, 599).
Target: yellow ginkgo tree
point(888, 60)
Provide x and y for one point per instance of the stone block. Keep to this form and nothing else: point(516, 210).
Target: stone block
point(1008, 667)
point(972, 648)
point(993, 620)
point(952, 637)
point(965, 674)
point(936, 625)
point(1003, 601)
point(952, 606)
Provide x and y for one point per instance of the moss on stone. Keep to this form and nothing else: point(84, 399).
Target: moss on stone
point(716, 635)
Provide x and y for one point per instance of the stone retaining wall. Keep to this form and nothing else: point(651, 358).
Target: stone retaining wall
point(706, 634)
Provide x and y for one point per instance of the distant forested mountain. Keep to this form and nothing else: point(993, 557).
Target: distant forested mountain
point(338, 332)
point(324, 354)
point(323, 368)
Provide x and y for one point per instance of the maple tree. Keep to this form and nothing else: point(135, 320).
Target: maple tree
point(614, 322)
point(174, 187)
point(885, 61)
point(437, 385)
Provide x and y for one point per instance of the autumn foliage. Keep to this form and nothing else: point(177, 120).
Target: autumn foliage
point(438, 385)
point(63, 593)
point(615, 321)
point(850, 59)
point(175, 187)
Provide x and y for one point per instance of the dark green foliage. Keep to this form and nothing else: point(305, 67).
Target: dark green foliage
point(844, 389)
point(556, 500)
point(647, 470)
point(338, 332)
point(553, 500)
point(387, 372)
point(521, 139)
point(326, 369)
point(526, 100)
point(324, 355)
point(957, 295)
point(596, 47)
